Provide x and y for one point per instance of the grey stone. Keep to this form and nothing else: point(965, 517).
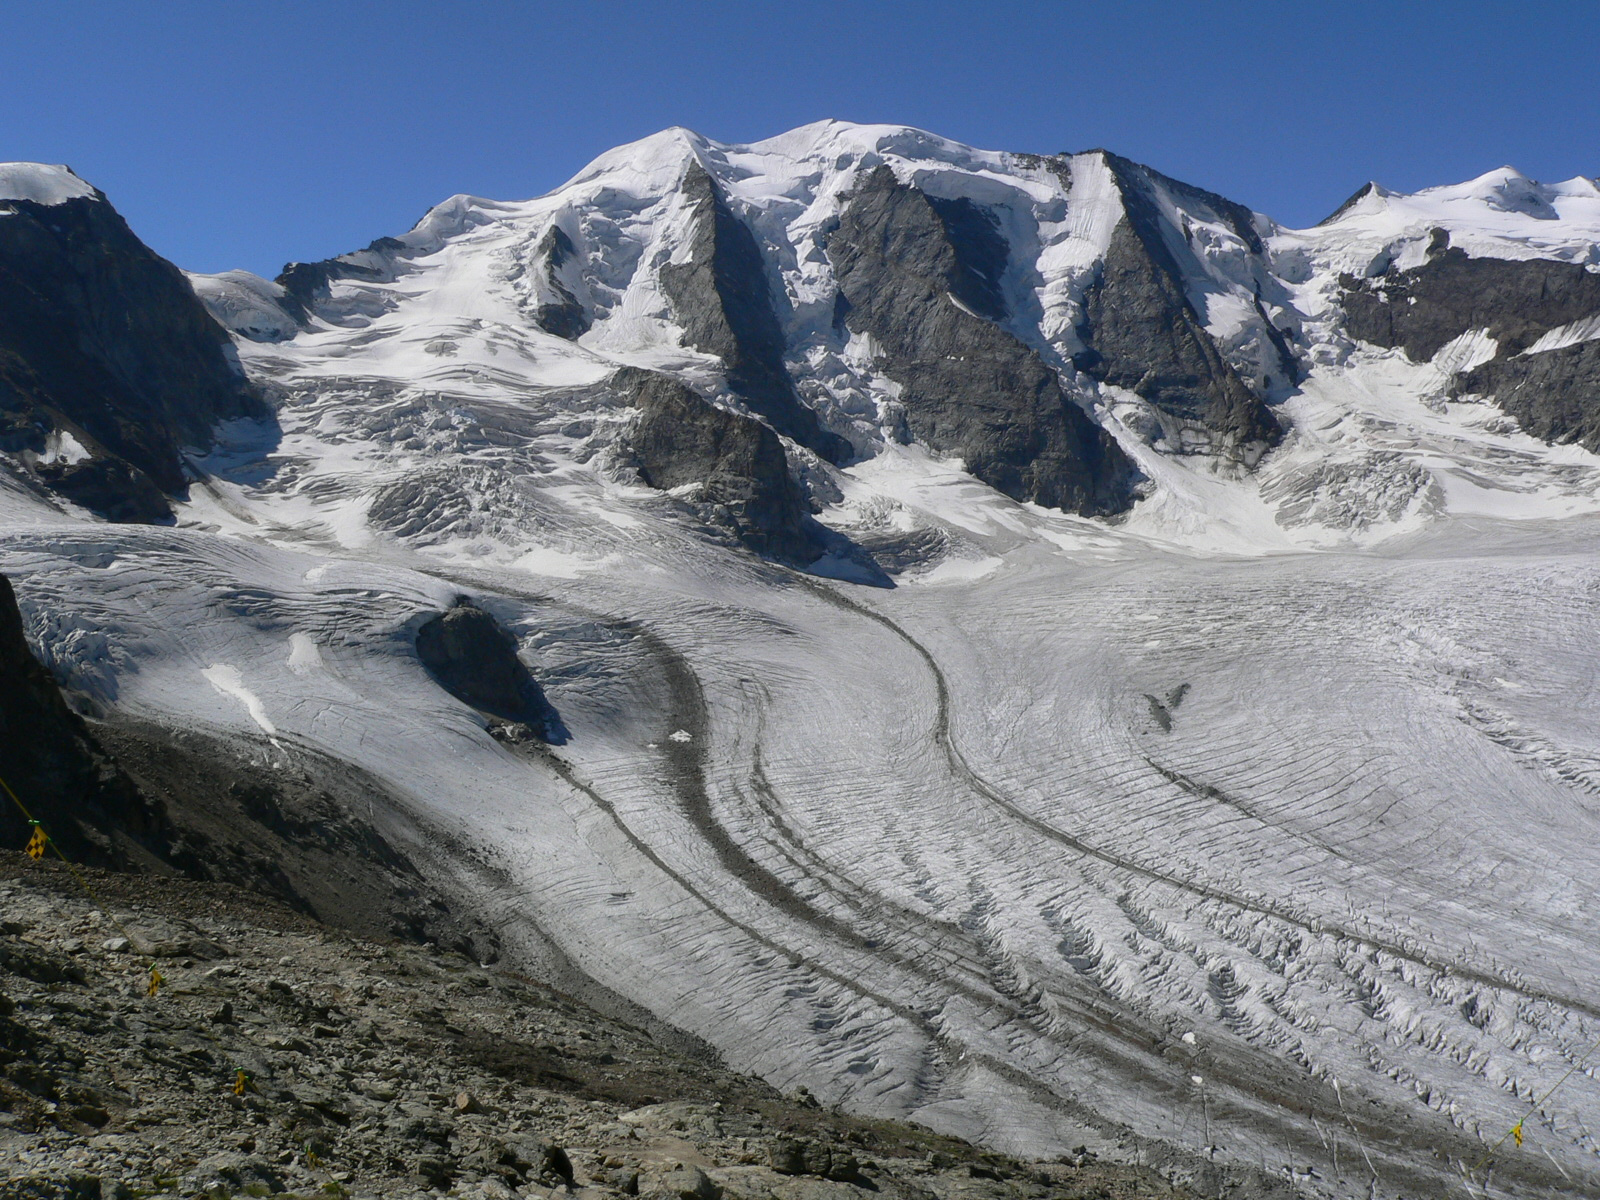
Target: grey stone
point(474, 658)
point(681, 1183)
point(238, 1171)
point(921, 278)
point(737, 463)
point(723, 300)
point(791, 1156)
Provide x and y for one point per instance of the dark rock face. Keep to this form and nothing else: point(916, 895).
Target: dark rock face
point(142, 798)
point(1421, 309)
point(737, 462)
point(723, 300)
point(564, 316)
point(305, 285)
point(1355, 198)
point(474, 658)
point(54, 765)
point(104, 341)
point(1554, 395)
point(109, 487)
point(1143, 334)
point(922, 277)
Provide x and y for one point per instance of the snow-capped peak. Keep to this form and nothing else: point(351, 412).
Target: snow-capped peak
point(1073, 253)
point(1500, 214)
point(42, 183)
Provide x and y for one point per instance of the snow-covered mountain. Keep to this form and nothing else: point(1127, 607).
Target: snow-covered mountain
point(1033, 645)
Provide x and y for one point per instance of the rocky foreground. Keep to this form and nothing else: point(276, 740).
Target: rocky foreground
point(393, 1070)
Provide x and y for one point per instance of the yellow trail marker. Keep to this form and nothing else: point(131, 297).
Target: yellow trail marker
point(37, 842)
point(155, 982)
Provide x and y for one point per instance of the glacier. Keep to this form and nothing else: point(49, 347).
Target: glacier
point(1253, 825)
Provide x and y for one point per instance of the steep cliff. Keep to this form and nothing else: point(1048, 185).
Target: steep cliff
point(109, 364)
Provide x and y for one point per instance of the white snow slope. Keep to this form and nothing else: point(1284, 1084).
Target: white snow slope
point(1262, 821)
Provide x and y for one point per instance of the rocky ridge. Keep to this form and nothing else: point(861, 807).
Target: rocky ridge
point(109, 363)
point(920, 276)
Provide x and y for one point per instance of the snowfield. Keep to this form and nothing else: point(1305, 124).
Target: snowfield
point(1262, 821)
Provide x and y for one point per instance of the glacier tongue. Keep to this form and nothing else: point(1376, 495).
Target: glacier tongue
point(1254, 822)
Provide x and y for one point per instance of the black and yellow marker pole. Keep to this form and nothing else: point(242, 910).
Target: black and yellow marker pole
point(39, 842)
point(1516, 1132)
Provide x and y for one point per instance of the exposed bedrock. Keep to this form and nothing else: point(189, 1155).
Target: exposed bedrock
point(558, 310)
point(306, 285)
point(54, 766)
point(109, 363)
point(1142, 332)
point(723, 300)
point(1419, 310)
point(922, 278)
point(474, 658)
point(735, 463)
point(1554, 395)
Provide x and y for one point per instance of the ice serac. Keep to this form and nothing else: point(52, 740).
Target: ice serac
point(920, 277)
point(722, 298)
point(474, 658)
point(109, 364)
point(1142, 331)
point(246, 304)
point(735, 465)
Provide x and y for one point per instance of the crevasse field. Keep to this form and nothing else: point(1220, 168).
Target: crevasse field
point(1262, 821)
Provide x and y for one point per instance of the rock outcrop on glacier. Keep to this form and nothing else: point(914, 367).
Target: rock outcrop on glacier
point(1217, 769)
point(1142, 331)
point(721, 298)
point(474, 658)
point(729, 465)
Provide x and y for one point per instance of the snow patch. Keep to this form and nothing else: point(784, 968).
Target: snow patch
point(41, 183)
point(229, 682)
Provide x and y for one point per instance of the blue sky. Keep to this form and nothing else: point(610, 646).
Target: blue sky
point(251, 134)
